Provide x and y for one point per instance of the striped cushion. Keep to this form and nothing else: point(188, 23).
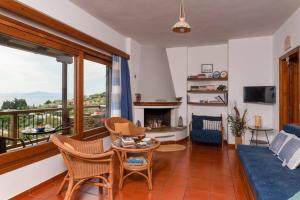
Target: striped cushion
point(290, 153)
point(289, 136)
point(211, 125)
point(278, 142)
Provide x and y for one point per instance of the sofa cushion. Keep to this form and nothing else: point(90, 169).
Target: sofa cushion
point(290, 153)
point(268, 178)
point(293, 129)
point(206, 136)
point(278, 142)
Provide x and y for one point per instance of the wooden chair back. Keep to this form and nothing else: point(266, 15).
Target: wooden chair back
point(83, 158)
point(134, 130)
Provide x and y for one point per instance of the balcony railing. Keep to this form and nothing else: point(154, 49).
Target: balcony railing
point(13, 122)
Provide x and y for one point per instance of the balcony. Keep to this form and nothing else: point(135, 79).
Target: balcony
point(14, 122)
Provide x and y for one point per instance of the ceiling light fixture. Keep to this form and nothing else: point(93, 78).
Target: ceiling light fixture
point(181, 26)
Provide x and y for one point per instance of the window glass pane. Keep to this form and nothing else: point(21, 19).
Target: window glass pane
point(95, 90)
point(33, 102)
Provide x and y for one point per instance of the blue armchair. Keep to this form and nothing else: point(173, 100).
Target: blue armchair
point(198, 134)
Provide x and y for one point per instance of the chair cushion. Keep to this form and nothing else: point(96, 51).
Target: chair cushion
point(197, 120)
point(211, 125)
point(122, 128)
point(278, 142)
point(290, 153)
point(206, 136)
point(268, 178)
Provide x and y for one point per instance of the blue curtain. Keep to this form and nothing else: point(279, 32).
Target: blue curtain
point(126, 101)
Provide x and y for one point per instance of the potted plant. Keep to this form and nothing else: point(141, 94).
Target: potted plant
point(238, 124)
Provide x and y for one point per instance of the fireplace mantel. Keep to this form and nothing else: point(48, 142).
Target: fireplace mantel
point(157, 103)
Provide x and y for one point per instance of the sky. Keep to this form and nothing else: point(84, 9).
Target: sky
point(26, 72)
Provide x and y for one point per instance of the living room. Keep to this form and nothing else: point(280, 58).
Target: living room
point(178, 75)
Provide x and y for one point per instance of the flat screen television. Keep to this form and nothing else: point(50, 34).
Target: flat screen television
point(260, 94)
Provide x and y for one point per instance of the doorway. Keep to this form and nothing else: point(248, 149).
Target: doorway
point(289, 87)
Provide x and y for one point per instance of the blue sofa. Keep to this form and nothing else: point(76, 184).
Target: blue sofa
point(198, 134)
point(265, 174)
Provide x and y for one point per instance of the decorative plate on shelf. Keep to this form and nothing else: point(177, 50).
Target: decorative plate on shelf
point(216, 74)
point(224, 74)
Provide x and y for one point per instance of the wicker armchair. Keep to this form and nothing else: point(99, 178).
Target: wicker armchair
point(85, 161)
point(134, 130)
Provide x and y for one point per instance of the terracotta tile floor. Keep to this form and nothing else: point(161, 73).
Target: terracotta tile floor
point(200, 172)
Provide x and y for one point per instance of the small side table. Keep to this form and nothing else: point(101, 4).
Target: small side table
point(143, 170)
point(256, 130)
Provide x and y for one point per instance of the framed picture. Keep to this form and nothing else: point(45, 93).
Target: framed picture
point(207, 68)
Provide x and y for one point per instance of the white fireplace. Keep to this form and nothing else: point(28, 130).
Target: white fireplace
point(140, 111)
point(164, 112)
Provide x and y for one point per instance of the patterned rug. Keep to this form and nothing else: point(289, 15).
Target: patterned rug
point(171, 147)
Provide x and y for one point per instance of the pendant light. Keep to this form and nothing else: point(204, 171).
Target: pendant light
point(181, 26)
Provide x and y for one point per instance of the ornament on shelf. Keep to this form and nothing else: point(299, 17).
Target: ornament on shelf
point(180, 122)
point(257, 121)
point(138, 123)
point(138, 97)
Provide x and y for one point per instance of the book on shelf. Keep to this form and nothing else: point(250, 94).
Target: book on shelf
point(127, 140)
point(219, 98)
point(136, 161)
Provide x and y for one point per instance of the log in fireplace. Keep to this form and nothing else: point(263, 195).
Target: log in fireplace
point(157, 118)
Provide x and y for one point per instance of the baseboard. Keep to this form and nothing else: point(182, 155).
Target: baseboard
point(27, 192)
point(230, 146)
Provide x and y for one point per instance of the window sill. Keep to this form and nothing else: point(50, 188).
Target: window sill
point(17, 159)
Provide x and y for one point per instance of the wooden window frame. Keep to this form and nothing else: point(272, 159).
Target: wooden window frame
point(11, 27)
point(94, 131)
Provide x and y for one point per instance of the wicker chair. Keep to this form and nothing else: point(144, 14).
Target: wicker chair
point(134, 130)
point(85, 161)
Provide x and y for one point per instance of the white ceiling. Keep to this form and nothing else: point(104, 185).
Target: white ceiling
point(213, 21)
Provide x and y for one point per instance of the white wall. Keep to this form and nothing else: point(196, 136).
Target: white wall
point(24, 178)
point(290, 28)
point(218, 56)
point(250, 64)
point(155, 80)
point(134, 49)
point(177, 58)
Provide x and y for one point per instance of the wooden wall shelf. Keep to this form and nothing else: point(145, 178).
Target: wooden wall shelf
point(207, 92)
point(206, 104)
point(207, 79)
point(175, 103)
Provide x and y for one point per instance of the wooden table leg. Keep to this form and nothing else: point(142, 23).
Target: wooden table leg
point(121, 156)
point(149, 170)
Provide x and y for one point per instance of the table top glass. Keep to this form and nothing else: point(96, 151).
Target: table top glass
point(260, 128)
point(36, 132)
point(151, 145)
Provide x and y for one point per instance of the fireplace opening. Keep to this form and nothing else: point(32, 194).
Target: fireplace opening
point(157, 118)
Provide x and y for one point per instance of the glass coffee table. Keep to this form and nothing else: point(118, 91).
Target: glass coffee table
point(127, 169)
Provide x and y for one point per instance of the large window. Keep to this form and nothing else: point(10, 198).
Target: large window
point(36, 93)
point(47, 85)
point(96, 88)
